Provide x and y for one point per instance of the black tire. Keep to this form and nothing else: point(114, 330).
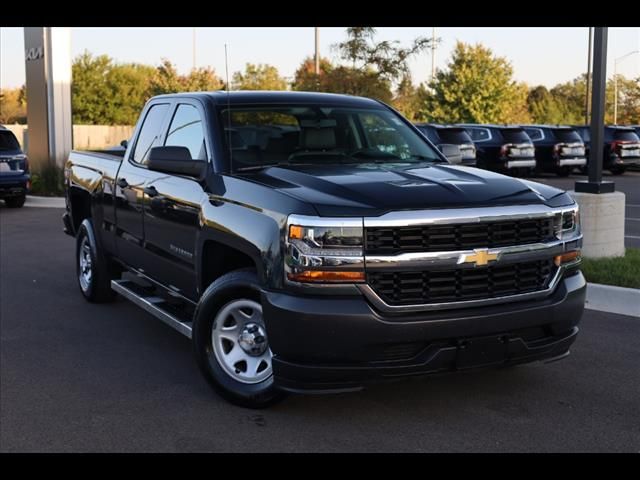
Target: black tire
point(236, 285)
point(15, 202)
point(97, 289)
point(617, 170)
point(564, 171)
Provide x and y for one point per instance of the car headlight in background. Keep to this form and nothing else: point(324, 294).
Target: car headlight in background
point(319, 252)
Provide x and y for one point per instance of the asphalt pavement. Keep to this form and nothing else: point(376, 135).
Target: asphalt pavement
point(101, 378)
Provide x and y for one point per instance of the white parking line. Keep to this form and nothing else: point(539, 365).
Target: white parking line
point(633, 205)
point(632, 236)
point(634, 219)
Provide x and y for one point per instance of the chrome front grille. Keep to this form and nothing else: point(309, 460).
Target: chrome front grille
point(458, 285)
point(437, 238)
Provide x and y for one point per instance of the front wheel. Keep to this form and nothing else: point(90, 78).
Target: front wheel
point(230, 341)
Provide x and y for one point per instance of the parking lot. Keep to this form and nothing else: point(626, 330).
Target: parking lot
point(81, 377)
point(629, 184)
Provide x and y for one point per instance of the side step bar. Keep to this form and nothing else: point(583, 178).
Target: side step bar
point(151, 304)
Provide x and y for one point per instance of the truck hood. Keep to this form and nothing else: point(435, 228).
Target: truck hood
point(374, 189)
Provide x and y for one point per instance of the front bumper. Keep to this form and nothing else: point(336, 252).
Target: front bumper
point(325, 344)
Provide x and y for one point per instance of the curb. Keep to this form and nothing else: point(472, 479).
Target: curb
point(607, 298)
point(44, 202)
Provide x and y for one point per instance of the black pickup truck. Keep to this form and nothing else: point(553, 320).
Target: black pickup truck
point(316, 242)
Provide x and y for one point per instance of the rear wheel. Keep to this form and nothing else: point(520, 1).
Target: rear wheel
point(92, 268)
point(618, 170)
point(15, 202)
point(230, 341)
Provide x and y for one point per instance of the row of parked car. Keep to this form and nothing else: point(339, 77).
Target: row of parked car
point(539, 148)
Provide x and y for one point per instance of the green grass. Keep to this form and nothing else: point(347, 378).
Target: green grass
point(619, 271)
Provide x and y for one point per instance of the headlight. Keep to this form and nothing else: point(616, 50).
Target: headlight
point(324, 253)
point(568, 223)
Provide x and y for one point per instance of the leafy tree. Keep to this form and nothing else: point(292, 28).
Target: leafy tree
point(306, 79)
point(130, 89)
point(571, 98)
point(386, 58)
point(90, 92)
point(259, 77)
point(476, 87)
point(13, 105)
point(406, 99)
point(545, 107)
point(166, 79)
point(628, 101)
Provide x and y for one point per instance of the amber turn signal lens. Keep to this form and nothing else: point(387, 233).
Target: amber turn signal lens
point(295, 232)
point(326, 276)
point(566, 257)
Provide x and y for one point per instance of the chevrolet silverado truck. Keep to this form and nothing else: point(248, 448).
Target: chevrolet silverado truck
point(315, 243)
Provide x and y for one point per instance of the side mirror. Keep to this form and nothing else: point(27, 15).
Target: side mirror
point(452, 152)
point(175, 160)
point(124, 143)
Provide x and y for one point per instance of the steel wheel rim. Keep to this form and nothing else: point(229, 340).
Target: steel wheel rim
point(85, 264)
point(228, 338)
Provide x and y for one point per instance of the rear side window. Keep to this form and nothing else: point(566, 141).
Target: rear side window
point(186, 131)
point(457, 136)
point(584, 134)
point(150, 132)
point(479, 134)
point(535, 133)
point(8, 141)
point(568, 136)
point(515, 135)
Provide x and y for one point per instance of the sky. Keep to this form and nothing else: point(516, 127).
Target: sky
point(540, 56)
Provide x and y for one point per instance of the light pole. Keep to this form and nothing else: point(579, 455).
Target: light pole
point(615, 84)
point(194, 47)
point(586, 100)
point(317, 53)
point(433, 53)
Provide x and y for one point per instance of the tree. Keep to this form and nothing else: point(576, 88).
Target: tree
point(545, 107)
point(166, 79)
point(406, 99)
point(628, 101)
point(475, 87)
point(386, 58)
point(306, 79)
point(259, 77)
point(90, 92)
point(13, 105)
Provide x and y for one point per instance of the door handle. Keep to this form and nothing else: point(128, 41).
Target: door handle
point(151, 191)
point(122, 182)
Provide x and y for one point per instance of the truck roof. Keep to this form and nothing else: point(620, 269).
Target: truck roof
point(266, 96)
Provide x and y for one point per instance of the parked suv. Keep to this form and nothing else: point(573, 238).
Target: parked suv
point(621, 147)
point(559, 149)
point(502, 148)
point(442, 135)
point(15, 180)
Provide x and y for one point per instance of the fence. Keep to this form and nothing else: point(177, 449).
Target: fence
point(85, 137)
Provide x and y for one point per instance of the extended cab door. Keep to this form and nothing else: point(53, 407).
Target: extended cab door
point(130, 182)
point(172, 205)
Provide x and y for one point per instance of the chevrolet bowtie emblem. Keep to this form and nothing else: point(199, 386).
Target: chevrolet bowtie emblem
point(480, 257)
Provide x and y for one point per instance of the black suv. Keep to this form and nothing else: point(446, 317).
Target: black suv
point(502, 148)
point(621, 147)
point(15, 180)
point(558, 148)
point(441, 135)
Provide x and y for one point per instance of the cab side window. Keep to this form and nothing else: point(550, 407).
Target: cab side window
point(150, 132)
point(186, 130)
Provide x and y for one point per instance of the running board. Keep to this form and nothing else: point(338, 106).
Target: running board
point(152, 304)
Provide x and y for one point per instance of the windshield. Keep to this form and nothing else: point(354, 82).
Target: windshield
point(8, 141)
point(262, 136)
